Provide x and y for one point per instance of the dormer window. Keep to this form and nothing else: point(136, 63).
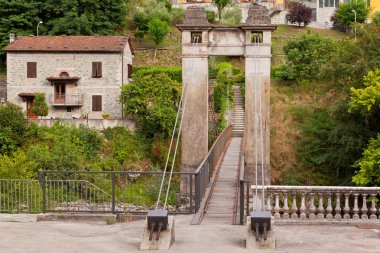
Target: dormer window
point(196, 37)
point(256, 37)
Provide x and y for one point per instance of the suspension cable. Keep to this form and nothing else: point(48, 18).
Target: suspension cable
point(255, 62)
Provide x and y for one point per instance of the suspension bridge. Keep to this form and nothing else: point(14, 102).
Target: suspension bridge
point(220, 185)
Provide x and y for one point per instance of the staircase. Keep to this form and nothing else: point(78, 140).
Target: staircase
point(238, 116)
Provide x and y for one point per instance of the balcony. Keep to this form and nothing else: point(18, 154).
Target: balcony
point(74, 99)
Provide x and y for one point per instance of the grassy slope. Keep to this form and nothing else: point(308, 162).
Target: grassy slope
point(285, 97)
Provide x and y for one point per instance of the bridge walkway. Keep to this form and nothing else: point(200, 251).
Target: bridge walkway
point(221, 205)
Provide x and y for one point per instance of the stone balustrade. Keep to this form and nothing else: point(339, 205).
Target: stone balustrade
point(322, 202)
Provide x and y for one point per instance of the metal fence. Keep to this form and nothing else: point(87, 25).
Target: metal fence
point(110, 191)
point(20, 195)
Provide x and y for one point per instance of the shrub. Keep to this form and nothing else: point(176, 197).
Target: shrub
point(177, 15)
point(157, 31)
point(232, 16)
point(13, 127)
point(211, 16)
point(175, 73)
point(40, 106)
point(299, 13)
point(305, 55)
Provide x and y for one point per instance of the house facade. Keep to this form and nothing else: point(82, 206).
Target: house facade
point(81, 76)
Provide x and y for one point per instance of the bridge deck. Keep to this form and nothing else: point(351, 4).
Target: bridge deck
point(220, 208)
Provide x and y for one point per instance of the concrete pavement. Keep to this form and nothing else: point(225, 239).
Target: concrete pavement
point(21, 233)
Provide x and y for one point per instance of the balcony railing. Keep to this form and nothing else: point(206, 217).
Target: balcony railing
point(74, 99)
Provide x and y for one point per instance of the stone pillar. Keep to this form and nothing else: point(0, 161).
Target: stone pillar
point(257, 93)
point(195, 123)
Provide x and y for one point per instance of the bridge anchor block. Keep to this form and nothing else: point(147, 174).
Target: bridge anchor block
point(260, 231)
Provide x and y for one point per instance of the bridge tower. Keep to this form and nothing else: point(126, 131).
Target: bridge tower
point(200, 40)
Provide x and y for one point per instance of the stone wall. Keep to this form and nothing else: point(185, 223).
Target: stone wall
point(114, 74)
point(3, 90)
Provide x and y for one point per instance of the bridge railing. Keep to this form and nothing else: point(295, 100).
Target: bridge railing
point(206, 169)
point(315, 203)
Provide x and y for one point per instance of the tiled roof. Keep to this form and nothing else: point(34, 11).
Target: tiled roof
point(69, 43)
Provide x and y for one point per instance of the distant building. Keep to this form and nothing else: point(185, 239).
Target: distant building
point(80, 75)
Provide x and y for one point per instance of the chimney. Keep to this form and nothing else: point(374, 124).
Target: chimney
point(12, 38)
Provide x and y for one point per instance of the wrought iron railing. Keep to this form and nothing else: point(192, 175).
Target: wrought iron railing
point(67, 99)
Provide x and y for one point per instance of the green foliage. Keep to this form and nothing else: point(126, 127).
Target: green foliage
point(221, 4)
point(331, 142)
point(13, 127)
point(369, 165)
point(223, 82)
point(211, 16)
point(40, 106)
point(19, 17)
point(367, 98)
point(16, 166)
point(157, 31)
point(345, 16)
point(174, 73)
point(305, 55)
point(126, 148)
point(177, 15)
point(232, 16)
point(376, 18)
point(153, 100)
point(71, 17)
point(352, 61)
point(150, 10)
point(160, 149)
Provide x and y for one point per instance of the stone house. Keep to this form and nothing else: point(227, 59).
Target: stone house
point(81, 76)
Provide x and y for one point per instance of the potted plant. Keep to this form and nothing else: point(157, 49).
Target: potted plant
point(106, 116)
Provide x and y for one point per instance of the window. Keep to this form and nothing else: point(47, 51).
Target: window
point(129, 70)
point(196, 37)
point(97, 69)
point(31, 69)
point(96, 103)
point(320, 3)
point(328, 3)
point(256, 37)
point(68, 109)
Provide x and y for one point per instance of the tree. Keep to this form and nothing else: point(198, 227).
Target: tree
point(221, 4)
point(13, 127)
point(369, 165)
point(305, 55)
point(157, 31)
point(367, 99)
point(299, 13)
point(153, 100)
point(19, 17)
point(345, 16)
point(40, 107)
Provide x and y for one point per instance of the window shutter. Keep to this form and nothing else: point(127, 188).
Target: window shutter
point(96, 103)
point(99, 71)
point(129, 70)
point(94, 69)
point(31, 69)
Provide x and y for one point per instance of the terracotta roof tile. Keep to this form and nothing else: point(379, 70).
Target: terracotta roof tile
point(69, 43)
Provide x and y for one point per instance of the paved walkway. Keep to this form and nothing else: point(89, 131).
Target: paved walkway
point(22, 234)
